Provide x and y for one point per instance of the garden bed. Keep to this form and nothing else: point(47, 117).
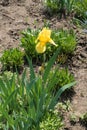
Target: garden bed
point(16, 16)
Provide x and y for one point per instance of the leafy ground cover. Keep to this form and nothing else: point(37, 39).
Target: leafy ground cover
point(16, 16)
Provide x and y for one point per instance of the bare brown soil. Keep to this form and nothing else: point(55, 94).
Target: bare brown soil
point(17, 15)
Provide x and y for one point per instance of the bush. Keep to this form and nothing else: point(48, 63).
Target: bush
point(12, 59)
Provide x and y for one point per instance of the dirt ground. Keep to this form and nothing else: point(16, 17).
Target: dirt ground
point(17, 15)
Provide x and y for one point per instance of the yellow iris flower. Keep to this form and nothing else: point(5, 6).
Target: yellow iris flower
point(43, 38)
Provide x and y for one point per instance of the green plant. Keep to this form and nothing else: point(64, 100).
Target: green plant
point(24, 102)
point(51, 6)
point(61, 7)
point(81, 9)
point(8, 74)
point(66, 40)
point(83, 119)
point(67, 7)
point(12, 58)
point(63, 106)
point(62, 77)
point(28, 43)
point(70, 4)
point(73, 118)
point(51, 121)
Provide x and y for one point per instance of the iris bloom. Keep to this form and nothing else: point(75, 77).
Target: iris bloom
point(43, 39)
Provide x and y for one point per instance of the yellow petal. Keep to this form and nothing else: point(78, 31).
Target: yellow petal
point(52, 42)
point(44, 35)
point(43, 38)
point(40, 47)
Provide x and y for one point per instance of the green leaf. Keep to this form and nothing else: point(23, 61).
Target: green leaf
point(32, 74)
point(22, 82)
point(51, 82)
point(3, 87)
point(49, 65)
point(10, 98)
point(6, 115)
point(57, 96)
point(30, 85)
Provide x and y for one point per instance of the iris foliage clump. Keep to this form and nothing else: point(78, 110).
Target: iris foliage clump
point(25, 101)
point(64, 8)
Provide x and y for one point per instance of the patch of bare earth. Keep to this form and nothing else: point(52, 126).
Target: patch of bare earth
point(17, 15)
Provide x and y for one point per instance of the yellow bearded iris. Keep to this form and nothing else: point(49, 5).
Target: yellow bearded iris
point(43, 38)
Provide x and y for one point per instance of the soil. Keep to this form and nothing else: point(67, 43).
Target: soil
point(18, 15)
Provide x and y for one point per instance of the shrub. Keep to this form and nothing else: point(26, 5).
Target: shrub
point(12, 58)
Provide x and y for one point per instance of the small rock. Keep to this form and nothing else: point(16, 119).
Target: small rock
point(75, 64)
point(83, 54)
point(79, 57)
point(85, 31)
point(74, 27)
point(53, 20)
point(5, 2)
point(82, 37)
point(81, 94)
point(36, 15)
